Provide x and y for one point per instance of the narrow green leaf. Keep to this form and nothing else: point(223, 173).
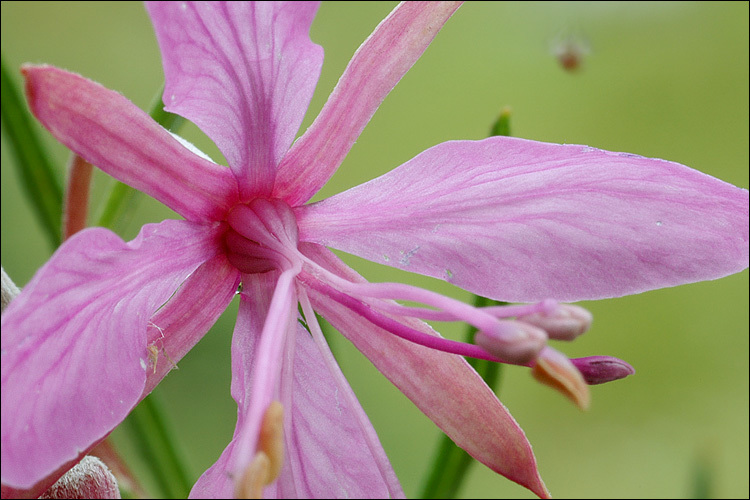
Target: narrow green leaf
point(39, 179)
point(122, 199)
point(147, 427)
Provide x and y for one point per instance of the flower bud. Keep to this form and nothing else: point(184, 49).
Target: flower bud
point(90, 478)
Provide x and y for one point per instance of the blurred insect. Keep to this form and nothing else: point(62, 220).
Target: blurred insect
point(570, 51)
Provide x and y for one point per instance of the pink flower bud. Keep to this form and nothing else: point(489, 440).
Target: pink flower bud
point(90, 478)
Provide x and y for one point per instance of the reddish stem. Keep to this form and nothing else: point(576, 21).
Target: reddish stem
point(75, 209)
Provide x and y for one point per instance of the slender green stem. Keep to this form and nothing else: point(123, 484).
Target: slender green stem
point(703, 476)
point(38, 177)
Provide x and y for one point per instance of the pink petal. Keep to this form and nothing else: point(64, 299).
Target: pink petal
point(267, 319)
point(193, 310)
point(74, 353)
point(442, 385)
point(520, 220)
point(244, 72)
point(375, 69)
point(111, 133)
point(332, 449)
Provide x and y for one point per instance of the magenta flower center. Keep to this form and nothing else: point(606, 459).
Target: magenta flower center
point(262, 237)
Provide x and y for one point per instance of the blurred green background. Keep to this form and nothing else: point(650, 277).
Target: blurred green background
point(665, 79)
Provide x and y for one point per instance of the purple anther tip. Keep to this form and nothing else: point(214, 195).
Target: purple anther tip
point(601, 369)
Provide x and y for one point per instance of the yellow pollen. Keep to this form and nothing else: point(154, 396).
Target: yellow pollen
point(266, 464)
point(565, 379)
point(254, 479)
point(271, 439)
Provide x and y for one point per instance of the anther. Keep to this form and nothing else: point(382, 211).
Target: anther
point(557, 371)
point(564, 322)
point(265, 466)
point(512, 341)
point(271, 439)
point(602, 369)
point(254, 478)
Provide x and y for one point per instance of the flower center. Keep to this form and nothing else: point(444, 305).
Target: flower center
point(262, 237)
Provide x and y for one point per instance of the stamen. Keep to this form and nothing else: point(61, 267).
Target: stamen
point(546, 306)
point(254, 478)
point(557, 371)
point(271, 440)
point(268, 222)
point(602, 369)
point(527, 341)
point(397, 328)
point(521, 341)
point(250, 257)
point(266, 464)
point(565, 322)
point(448, 308)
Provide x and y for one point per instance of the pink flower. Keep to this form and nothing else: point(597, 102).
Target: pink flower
point(103, 321)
